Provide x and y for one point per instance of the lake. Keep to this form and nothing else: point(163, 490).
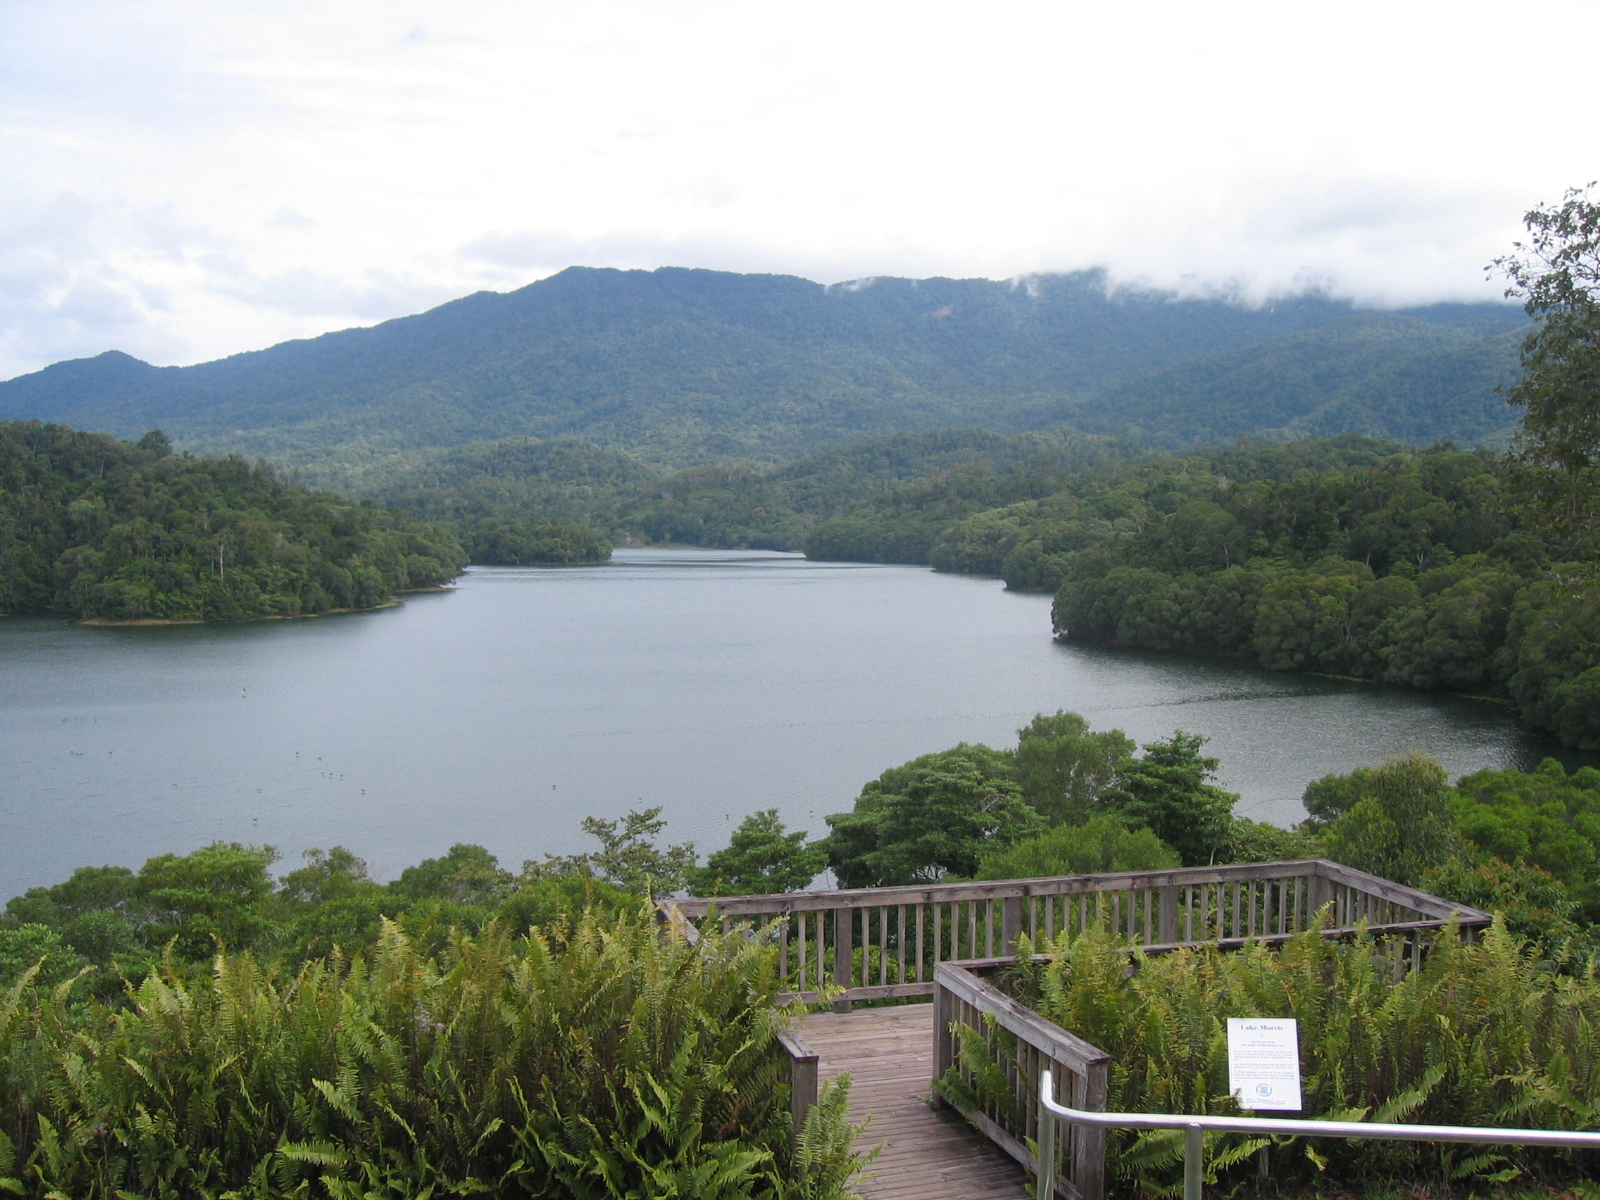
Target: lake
point(712, 683)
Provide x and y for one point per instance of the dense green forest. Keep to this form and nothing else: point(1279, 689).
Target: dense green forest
point(110, 530)
point(518, 478)
point(511, 543)
point(684, 367)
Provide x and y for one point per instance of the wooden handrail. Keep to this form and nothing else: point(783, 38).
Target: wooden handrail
point(961, 997)
point(1044, 885)
point(881, 943)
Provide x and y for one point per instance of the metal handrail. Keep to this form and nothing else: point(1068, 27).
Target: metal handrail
point(1194, 1128)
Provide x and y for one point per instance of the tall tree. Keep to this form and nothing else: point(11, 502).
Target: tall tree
point(1394, 820)
point(1063, 767)
point(1557, 451)
point(1169, 790)
point(762, 857)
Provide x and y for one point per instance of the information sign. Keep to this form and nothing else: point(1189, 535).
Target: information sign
point(1264, 1062)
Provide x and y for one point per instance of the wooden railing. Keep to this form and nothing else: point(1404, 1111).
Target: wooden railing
point(879, 943)
point(962, 998)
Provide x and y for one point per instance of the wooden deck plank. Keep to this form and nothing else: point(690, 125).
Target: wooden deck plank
point(928, 1153)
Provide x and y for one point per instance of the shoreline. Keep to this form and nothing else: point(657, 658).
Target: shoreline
point(133, 622)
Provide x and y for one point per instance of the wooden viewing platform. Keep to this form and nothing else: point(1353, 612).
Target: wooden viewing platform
point(942, 940)
point(928, 1153)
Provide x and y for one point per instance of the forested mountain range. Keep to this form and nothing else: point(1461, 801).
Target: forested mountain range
point(682, 367)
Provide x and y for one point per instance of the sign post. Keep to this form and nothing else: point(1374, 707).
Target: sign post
point(1264, 1062)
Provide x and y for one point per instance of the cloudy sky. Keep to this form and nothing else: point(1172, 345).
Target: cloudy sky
point(183, 179)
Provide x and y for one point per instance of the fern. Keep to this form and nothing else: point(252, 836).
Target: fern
point(616, 1063)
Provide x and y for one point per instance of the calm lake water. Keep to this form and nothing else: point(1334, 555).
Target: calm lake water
point(711, 683)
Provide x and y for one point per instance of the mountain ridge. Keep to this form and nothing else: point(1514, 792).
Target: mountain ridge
point(683, 366)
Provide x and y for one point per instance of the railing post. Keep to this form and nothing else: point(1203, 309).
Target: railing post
point(1089, 1149)
point(944, 1050)
point(1318, 893)
point(1010, 924)
point(1194, 1156)
point(1169, 915)
point(1044, 1160)
point(802, 1078)
point(844, 927)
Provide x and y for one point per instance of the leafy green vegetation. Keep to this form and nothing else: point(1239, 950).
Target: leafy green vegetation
point(605, 1061)
point(685, 367)
point(1555, 467)
point(109, 530)
point(931, 818)
point(1169, 792)
point(561, 479)
point(1385, 374)
point(1482, 1033)
point(1394, 820)
point(1029, 526)
point(1412, 571)
point(1101, 844)
point(1063, 768)
point(762, 857)
point(1547, 818)
point(467, 1026)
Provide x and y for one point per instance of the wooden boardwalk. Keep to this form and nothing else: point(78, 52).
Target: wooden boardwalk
point(929, 1153)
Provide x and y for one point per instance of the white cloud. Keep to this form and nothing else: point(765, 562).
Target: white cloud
point(187, 179)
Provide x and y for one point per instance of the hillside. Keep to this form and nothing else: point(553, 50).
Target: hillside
point(721, 504)
point(1379, 374)
point(683, 367)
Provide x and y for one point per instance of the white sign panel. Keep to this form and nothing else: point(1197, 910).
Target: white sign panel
point(1264, 1062)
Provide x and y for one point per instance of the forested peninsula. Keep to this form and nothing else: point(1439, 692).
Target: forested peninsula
point(110, 530)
